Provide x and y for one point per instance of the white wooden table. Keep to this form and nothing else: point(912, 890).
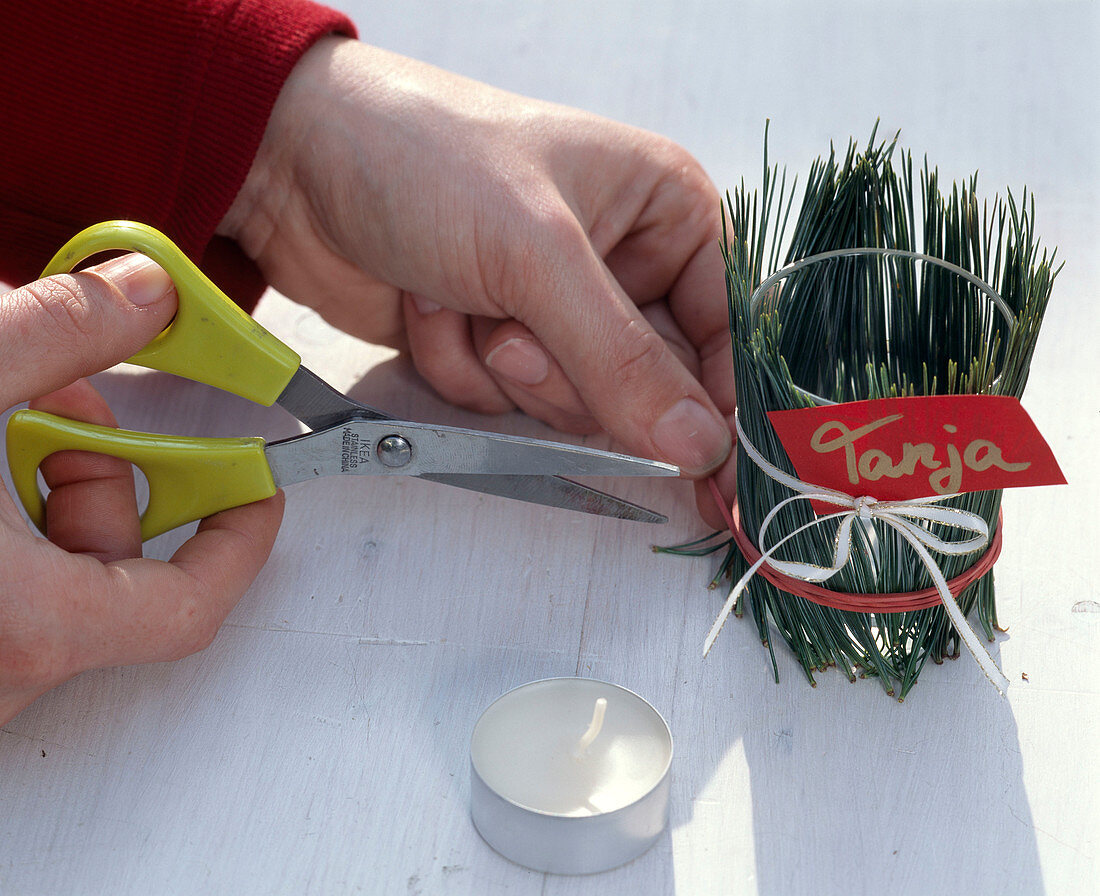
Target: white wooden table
point(320, 745)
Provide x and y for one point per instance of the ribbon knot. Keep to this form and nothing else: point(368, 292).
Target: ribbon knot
point(865, 507)
point(904, 517)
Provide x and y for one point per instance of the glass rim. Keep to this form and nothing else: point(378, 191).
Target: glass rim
point(758, 294)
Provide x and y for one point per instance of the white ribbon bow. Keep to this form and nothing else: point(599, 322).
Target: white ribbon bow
point(899, 515)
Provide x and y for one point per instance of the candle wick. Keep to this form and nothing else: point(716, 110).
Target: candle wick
point(594, 728)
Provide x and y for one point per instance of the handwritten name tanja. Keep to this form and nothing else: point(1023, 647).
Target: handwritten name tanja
point(904, 448)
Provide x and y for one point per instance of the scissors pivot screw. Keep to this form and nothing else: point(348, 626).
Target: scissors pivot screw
point(394, 451)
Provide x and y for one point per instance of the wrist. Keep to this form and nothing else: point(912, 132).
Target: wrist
point(303, 106)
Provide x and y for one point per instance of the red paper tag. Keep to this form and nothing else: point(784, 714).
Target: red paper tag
point(899, 448)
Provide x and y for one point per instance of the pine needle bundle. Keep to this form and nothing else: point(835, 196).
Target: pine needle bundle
point(864, 326)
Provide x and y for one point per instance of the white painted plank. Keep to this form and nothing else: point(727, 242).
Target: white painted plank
point(319, 745)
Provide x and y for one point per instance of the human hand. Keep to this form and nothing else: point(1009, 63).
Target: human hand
point(84, 598)
point(524, 253)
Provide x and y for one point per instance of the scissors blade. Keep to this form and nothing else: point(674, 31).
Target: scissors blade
point(509, 466)
point(318, 405)
point(551, 491)
point(400, 447)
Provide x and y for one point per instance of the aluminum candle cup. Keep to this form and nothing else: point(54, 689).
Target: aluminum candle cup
point(570, 775)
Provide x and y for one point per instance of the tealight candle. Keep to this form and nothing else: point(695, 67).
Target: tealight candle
point(570, 775)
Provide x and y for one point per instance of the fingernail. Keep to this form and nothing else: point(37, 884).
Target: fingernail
point(425, 306)
point(140, 279)
point(520, 360)
point(689, 436)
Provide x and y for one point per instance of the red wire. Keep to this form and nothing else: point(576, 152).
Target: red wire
point(859, 603)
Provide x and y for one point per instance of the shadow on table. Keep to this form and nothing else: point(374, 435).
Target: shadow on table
point(854, 793)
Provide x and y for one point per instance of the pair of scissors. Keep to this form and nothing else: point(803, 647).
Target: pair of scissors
point(212, 341)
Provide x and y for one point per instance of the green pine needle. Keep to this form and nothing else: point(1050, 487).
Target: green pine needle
point(843, 332)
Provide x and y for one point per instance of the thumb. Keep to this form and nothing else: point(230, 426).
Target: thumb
point(60, 328)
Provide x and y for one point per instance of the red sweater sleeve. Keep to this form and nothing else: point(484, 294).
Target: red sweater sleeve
point(150, 110)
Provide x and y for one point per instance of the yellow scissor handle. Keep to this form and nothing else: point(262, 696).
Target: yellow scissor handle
point(211, 340)
point(188, 478)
